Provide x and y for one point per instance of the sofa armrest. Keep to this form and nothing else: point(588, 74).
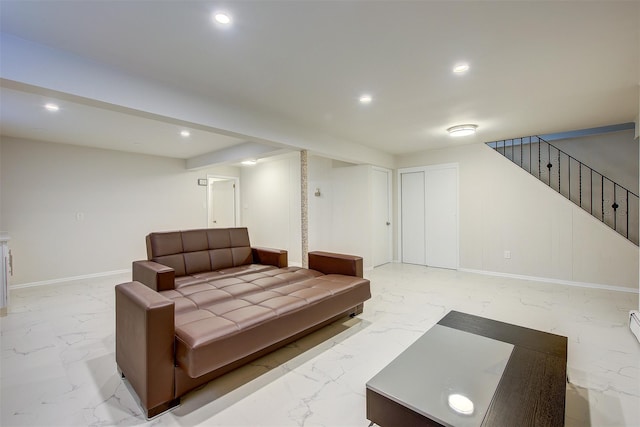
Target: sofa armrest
point(332, 263)
point(265, 256)
point(145, 335)
point(156, 276)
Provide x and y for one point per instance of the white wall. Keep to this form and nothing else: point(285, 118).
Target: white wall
point(120, 197)
point(340, 220)
point(270, 204)
point(320, 207)
point(124, 196)
point(504, 208)
point(612, 154)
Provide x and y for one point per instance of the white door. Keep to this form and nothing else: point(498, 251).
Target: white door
point(429, 215)
point(222, 203)
point(413, 217)
point(381, 216)
point(441, 213)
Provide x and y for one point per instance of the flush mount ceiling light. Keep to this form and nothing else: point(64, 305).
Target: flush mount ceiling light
point(461, 68)
point(222, 18)
point(461, 404)
point(251, 162)
point(462, 130)
point(365, 99)
point(52, 107)
point(185, 133)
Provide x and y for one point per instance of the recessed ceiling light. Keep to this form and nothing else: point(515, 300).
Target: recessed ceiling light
point(251, 162)
point(52, 107)
point(185, 133)
point(462, 130)
point(461, 68)
point(222, 18)
point(365, 99)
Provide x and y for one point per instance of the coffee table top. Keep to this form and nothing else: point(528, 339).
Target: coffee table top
point(440, 370)
point(511, 374)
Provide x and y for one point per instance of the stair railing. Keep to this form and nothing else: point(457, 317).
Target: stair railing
point(606, 200)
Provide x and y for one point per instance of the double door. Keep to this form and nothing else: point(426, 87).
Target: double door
point(429, 215)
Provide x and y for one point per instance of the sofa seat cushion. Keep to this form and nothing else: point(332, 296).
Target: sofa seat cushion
point(236, 271)
point(195, 295)
point(206, 321)
point(206, 276)
point(288, 273)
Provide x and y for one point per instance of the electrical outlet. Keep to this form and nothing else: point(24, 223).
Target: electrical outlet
point(507, 254)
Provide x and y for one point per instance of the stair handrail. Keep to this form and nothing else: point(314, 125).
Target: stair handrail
point(539, 140)
point(560, 151)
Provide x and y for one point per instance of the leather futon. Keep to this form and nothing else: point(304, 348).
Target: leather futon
point(206, 302)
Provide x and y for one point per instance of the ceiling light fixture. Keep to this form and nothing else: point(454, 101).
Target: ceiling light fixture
point(52, 107)
point(222, 18)
point(185, 133)
point(461, 68)
point(251, 162)
point(462, 130)
point(365, 99)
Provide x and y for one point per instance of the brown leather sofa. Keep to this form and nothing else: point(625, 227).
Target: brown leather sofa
point(206, 302)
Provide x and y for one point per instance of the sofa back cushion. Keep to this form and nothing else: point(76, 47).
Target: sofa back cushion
point(166, 249)
point(196, 251)
point(240, 246)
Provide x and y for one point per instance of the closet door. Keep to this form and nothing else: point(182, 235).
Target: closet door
point(413, 217)
point(441, 213)
point(429, 215)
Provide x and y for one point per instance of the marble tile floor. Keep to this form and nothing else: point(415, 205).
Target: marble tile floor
point(58, 364)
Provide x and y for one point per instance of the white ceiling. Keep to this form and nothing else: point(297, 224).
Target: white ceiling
point(536, 67)
point(82, 124)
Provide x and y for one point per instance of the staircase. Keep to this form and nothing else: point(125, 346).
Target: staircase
point(603, 198)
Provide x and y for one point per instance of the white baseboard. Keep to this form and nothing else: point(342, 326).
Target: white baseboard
point(551, 280)
point(69, 279)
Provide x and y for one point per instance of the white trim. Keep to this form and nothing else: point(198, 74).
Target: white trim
point(69, 279)
point(551, 280)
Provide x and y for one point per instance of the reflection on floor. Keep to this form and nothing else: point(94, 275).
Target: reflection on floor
point(58, 365)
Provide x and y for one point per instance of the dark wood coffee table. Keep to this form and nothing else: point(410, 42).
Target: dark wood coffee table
point(472, 371)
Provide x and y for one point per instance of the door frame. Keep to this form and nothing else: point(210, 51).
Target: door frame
point(236, 207)
point(425, 169)
point(389, 173)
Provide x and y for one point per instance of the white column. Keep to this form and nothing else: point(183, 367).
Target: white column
point(304, 205)
point(634, 315)
point(4, 272)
